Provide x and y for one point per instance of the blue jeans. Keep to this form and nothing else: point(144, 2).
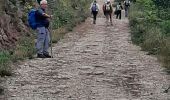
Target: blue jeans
point(43, 40)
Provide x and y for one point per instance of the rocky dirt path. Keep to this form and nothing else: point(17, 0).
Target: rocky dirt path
point(94, 62)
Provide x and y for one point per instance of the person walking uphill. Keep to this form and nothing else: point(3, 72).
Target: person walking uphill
point(119, 11)
point(126, 7)
point(94, 10)
point(43, 36)
point(108, 10)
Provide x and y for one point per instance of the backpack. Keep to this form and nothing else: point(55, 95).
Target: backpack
point(32, 19)
point(94, 7)
point(118, 7)
point(108, 7)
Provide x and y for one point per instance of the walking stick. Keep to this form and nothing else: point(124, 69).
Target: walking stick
point(51, 40)
point(51, 27)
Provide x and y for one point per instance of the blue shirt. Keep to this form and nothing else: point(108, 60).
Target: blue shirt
point(42, 21)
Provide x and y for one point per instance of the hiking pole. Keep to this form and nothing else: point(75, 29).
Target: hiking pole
point(51, 27)
point(51, 40)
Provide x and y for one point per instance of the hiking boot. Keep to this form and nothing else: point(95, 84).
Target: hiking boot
point(47, 56)
point(40, 56)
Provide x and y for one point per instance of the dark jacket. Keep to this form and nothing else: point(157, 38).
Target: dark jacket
point(42, 21)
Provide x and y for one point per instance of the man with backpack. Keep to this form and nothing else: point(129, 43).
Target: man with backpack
point(94, 10)
point(126, 7)
point(39, 20)
point(119, 10)
point(43, 36)
point(107, 10)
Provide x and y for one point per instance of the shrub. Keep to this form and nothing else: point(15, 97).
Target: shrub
point(150, 26)
point(4, 61)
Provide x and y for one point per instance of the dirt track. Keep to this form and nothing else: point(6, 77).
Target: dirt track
point(94, 62)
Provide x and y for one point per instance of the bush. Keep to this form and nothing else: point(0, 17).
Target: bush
point(165, 27)
point(151, 29)
point(153, 41)
point(4, 61)
point(165, 53)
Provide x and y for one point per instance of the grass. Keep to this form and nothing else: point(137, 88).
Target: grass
point(24, 49)
point(151, 34)
point(165, 53)
point(58, 34)
point(153, 41)
point(4, 61)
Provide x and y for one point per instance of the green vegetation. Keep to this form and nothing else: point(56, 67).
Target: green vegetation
point(24, 49)
point(67, 14)
point(150, 27)
point(4, 61)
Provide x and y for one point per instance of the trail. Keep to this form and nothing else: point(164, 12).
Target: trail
point(93, 62)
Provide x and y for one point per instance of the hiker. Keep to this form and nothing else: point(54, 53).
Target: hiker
point(43, 36)
point(94, 10)
point(119, 10)
point(107, 10)
point(104, 12)
point(126, 7)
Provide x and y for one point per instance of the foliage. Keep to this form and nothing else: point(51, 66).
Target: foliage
point(4, 60)
point(67, 12)
point(25, 48)
point(150, 25)
point(162, 3)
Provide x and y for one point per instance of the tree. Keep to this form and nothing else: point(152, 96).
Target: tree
point(162, 3)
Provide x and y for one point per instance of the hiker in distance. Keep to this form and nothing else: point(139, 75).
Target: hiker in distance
point(43, 36)
point(104, 12)
point(108, 10)
point(118, 11)
point(126, 7)
point(94, 10)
